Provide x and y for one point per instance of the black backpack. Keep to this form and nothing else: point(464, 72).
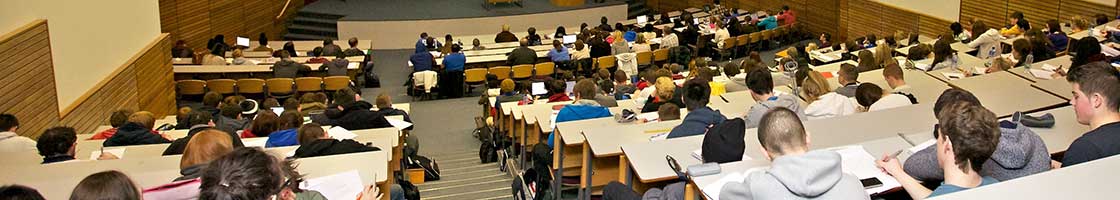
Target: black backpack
point(431, 168)
point(488, 150)
point(724, 142)
point(411, 192)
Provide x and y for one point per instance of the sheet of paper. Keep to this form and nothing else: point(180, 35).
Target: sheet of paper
point(858, 162)
point(922, 66)
point(699, 155)
point(979, 70)
point(1042, 74)
point(650, 116)
point(340, 133)
point(119, 152)
point(254, 142)
point(1049, 67)
point(399, 124)
point(713, 190)
point(346, 185)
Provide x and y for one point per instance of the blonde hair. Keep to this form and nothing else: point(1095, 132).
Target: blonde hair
point(814, 86)
point(883, 55)
point(206, 146)
point(237, 53)
point(143, 118)
point(664, 88)
point(811, 47)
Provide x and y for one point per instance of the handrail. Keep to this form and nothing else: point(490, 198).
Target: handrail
point(283, 10)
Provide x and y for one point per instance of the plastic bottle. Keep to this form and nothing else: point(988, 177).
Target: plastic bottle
point(1028, 61)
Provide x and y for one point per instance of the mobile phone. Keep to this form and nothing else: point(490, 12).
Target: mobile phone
point(871, 182)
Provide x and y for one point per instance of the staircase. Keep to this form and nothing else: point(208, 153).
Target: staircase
point(313, 26)
point(637, 8)
point(462, 176)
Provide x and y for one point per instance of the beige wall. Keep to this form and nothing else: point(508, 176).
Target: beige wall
point(1104, 2)
point(403, 34)
point(89, 39)
point(945, 9)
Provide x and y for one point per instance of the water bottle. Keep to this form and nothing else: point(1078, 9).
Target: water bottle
point(1028, 61)
point(953, 62)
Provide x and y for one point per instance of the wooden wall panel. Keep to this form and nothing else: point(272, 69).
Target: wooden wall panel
point(196, 21)
point(155, 79)
point(896, 19)
point(992, 12)
point(820, 16)
point(1036, 11)
point(1069, 8)
point(932, 26)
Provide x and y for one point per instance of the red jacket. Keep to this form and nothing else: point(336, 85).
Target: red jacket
point(106, 134)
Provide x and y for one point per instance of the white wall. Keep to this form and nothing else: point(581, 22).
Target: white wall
point(89, 39)
point(1104, 2)
point(945, 9)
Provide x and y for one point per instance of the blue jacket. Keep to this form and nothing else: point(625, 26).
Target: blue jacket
point(630, 36)
point(286, 137)
point(697, 122)
point(558, 55)
point(421, 61)
point(454, 62)
point(579, 112)
point(769, 23)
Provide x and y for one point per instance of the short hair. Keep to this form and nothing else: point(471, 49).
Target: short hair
point(760, 81)
point(309, 133)
point(198, 118)
point(265, 123)
point(603, 74)
point(19, 192)
point(205, 146)
point(145, 118)
point(237, 53)
point(868, 93)
point(893, 70)
point(780, 130)
point(1022, 45)
point(270, 102)
point(291, 119)
point(383, 101)
point(8, 121)
point(57, 140)
point(231, 110)
point(1100, 78)
point(110, 184)
point(696, 93)
point(344, 96)
point(620, 76)
point(668, 112)
point(1017, 15)
point(585, 88)
point(953, 95)
point(507, 85)
point(291, 104)
point(664, 88)
point(211, 99)
point(353, 42)
point(327, 41)
point(261, 39)
point(973, 131)
point(848, 71)
point(245, 173)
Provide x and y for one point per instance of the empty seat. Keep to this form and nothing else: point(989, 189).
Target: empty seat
point(309, 84)
point(334, 83)
point(221, 86)
point(545, 69)
point(645, 58)
point(191, 87)
point(250, 86)
point(280, 87)
point(661, 55)
point(522, 72)
point(501, 71)
point(605, 62)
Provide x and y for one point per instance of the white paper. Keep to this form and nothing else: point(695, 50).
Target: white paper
point(699, 155)
point(857, 161)
point(119, 152)
point(650, 116)
point(399, 124)
point(1049, 67)
point(979, 70)
point(340, 133)
point(713, 190)
point(255, 142)
point(952, 75)
point(346, 185)
point(922, 66)
point(659, 136)
point(1042, 74)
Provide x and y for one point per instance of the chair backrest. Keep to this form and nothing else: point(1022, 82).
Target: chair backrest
point(476, 75)
point(743, 40)
point(221, 86)
point(191, 87)
point(605, 62)
point(545, 68)
point(661, 55)
point(280, 85)
point(645, 57)
point(250, 86)
point(728, 43)
point(755, 37)
point(766, 34)
point(332, 83)
point(522, 71)
point(309, 84)
point(501, 71)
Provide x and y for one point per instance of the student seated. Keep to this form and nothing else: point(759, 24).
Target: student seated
point(116, 120)
point(700, 116)
point(1018, 25)
point(210, 102)
point(664, 90)
point(795, 172)
point(263, 124)
point(585, 106)
point(353, 50)
point(761, 86)
point(312, 103)
point(1095, 89)
point(9, 140)
point(896, 79)
point(110, 184)
point(354, 114)
point(848, 77)
point(984, 39)
point(556, 89)
point(737, 83)
point(286, 68)
point(867, 61)
point(286, 136)
point(204, 147)
point(138, 131)
point(623, 86)
point(336, 67)
point(19, 192)
point(198, 121)
point(230, 119)
point(385, 108)
point(251, 173)
point(668, 112)
point(966, 138)
point(823, 103)
point(57, 144)
point(873, 98)
point(314, 141)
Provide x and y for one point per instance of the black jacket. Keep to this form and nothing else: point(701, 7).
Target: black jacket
point(326, 147)
point(180, 144)
point(134, 134)
point(191, 172)
point(356, 116)
point(599, 48)
point(522, 56)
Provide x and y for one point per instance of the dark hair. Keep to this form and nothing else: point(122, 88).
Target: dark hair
point(942, 50)
point(973, 131)
point(56, 141)
point(780, 129)
point(759, 81)
point(1100, 78)
point(9, 121)
point(424, 35)
point(867, 61)
point(291, 104)
point(19, 192)
point(893, 70)
point(290, 119)
point(199, 118)
point(309, 133)
point(1023, 46)
point(696, 93)
point(956, 28)
point(353, 42)
point(344, 96)
point(289, 48)
point(1088, 49)
point(110, 184)
point(827, 36)
point(265, 123)
point(668, 112)
point(603, 20)
point(731, 69)
point(848, 71)
point(953, 95)
point(918, 52)
point(211, 99)
point(978, 28)
point(1054, 27)
point(245, 173)
point(868, 93)
point(231, 110)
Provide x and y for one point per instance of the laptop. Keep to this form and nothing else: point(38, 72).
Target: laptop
point(570, 85)
point(278, 110)
point(539, 89)
point(643, 19)
point(243, 41)
point(569, 39)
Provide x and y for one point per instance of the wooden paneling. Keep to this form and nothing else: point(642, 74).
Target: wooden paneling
point(1069, 8)
point(992, 12)
point(143, 83)
point(819, 16)
point(1036, 11)
point(196, 21)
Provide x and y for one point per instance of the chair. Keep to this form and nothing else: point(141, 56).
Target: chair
point(335, 83)
point(279, 87)
point(544, 69)
point(660, 56)
point(250, 86)
point(645, 59)
point(190, 87)
point(309, 84)
point(502, 72)
point(521, 72)
point(754, 39)
point(221, 86)
point(423, 82)
point(741, 45)
point(605, 62)
point(766, 36)
point(727, 49)
point(474, 77)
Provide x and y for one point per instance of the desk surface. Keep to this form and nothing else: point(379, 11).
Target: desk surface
point(608, 140)
point(571, 132)
point(1066, 129)
point(1004, 93)
point(1089, 180)
point(373, 167)
point(1061, 61)
point(308, 45)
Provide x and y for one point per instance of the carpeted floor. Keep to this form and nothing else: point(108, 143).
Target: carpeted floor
point(372, 10)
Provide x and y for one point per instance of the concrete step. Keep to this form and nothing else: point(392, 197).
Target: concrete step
point(315, 22)
point(490, 193)
point(318, 15)
point(465, 188)
point(297, 36)
point(449, 182)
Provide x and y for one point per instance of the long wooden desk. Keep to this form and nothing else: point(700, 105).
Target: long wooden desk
point(1066, 129)
point(1063, 61)
point(1085, 33)
point(1090, 180)
point(308, 45)
point(1005, 94)
point(602, 153)
point(210, 69)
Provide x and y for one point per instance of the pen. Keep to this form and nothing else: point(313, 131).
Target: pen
point(893, 155)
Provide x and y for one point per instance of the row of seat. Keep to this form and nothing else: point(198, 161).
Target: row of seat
point(743, 43)
point(520, 72)
point(270, 87)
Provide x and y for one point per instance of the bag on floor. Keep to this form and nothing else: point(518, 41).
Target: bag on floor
point(487, 153)
point(411, 192)
point(431, 168)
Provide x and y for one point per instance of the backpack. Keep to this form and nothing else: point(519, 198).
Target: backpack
point(724, 142)
point(913, 100)
point(680, 55)
point(411, 192)
point(431, 168)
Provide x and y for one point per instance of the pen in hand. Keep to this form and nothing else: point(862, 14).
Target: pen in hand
point(893, 155)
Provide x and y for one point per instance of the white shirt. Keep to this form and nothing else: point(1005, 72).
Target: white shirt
point(669, 41)
point(889, 101)
point(12, 142)
point(721, 35)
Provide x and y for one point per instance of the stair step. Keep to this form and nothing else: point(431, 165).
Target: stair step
point(475, 194)
point(464, 154)
point(318, 15)
point(449, 182)
point(465, 188)
point(472, 174)
point(638, 12)
point(297, 36)
point(313, 28)
point(315, 21)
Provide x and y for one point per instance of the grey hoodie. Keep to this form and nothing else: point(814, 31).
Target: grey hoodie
point(1020, 152)
point(757, 110)
point(813, 175)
